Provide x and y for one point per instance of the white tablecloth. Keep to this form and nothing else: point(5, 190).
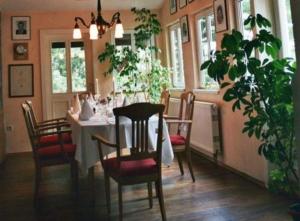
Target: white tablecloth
point(86, 149)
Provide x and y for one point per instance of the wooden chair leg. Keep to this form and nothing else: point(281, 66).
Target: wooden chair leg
point(38, 176)
point(75, 177)
point(158, 185)
point(107, 192)
point(91, 177)
point(189, 161)
point(150, 194)
point(180, 163)
point(120, 202)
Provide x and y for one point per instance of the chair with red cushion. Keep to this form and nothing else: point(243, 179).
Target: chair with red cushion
point(143, 163)
point(181, 140)
point(50, 139)
point(49, 154)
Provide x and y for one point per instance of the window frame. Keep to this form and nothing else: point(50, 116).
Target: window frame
point(68, 61)
point(176, 27)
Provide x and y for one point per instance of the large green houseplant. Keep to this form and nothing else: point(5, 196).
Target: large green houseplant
point(259, 83)
point(137, 68)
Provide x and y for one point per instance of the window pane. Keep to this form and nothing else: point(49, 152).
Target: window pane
point(78, 68)
point(207, 43)
point(176, 57)
point(59, 70)
point(246, 11)
point(289, 24)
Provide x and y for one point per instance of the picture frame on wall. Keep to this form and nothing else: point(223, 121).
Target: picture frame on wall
point(20, 51)
point(20, 80)
point(173, 6)
point(184, 26)
point(20, 28)
point(220, 13)
point(182, 3)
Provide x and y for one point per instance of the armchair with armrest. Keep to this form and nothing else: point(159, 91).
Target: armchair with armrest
point(143, 164)
point(49, 154)
point(181, 140)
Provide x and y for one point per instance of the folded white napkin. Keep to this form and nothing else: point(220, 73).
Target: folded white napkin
point(76, 105)
point(86, 111)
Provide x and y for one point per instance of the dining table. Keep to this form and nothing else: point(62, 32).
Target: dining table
point(102, 123)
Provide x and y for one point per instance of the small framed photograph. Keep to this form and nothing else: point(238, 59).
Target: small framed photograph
point(20, 51)
point(184, 25)
point(20, 28)
point(20, 80)
point(220, 15)
point(182, 3)
point(173, 6)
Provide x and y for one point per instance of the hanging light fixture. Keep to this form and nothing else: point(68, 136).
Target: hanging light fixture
point(98, 26)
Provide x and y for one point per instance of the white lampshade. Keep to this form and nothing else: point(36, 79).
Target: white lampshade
point(119, 31)
point(93, 32)
point(77, 33)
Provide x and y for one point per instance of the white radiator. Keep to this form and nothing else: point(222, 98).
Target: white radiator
point(205, 135)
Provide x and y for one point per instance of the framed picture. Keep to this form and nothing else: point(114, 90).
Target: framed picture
point(20, 28)
point(182, 3)
point(184, 26)
point(220, 15)
point(20, 51)
point(173, 6)
point(20, 80)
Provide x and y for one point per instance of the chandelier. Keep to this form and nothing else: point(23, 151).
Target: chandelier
point(98, 26)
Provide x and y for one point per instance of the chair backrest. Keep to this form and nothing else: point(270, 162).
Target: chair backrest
point(165, 99)
point(139, 115)
point(29, 125)
point(186, 110)
point(31, 111)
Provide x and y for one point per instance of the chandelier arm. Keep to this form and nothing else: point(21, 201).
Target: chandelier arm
point(82, 21)
point(114, 18)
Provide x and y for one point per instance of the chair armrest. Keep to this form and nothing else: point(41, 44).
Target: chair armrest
point(103, 141)
point(53, 133)
point(54, 126)
point(170, 117)
point(53, 120)
point(179, 121)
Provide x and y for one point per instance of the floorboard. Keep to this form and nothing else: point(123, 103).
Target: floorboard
point(217, 195)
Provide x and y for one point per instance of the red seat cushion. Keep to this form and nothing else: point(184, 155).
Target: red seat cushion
point(55, 150)
point(177, 140)
point(53, 139)
point(131, 168)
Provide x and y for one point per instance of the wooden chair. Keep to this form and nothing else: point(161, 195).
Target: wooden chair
point(49, 154)
point(165, 99)
point(61, 122)
point(143, 164)
point(181, 140)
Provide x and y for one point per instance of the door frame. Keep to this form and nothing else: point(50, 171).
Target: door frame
point(46, 37)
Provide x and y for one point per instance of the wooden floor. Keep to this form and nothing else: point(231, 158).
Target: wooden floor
point(217, 195)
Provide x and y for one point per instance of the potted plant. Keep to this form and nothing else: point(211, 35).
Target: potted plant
point(138, 69)
point(259, 83)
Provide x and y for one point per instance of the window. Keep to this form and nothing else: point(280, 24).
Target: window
point(206, 38)
point(68, 67)
point(285, 27)
point(176, 56)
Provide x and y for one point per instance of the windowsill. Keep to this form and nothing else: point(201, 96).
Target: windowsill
point(206, 91)
point(177, 89)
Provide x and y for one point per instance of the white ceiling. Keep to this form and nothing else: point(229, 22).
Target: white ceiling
point(58, 5)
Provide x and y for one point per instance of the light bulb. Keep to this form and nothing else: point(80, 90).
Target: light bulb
point(77, 33)
point(93, 32)
point(119, 31)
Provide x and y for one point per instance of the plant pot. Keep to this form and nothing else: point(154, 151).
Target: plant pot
point(294, 211)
